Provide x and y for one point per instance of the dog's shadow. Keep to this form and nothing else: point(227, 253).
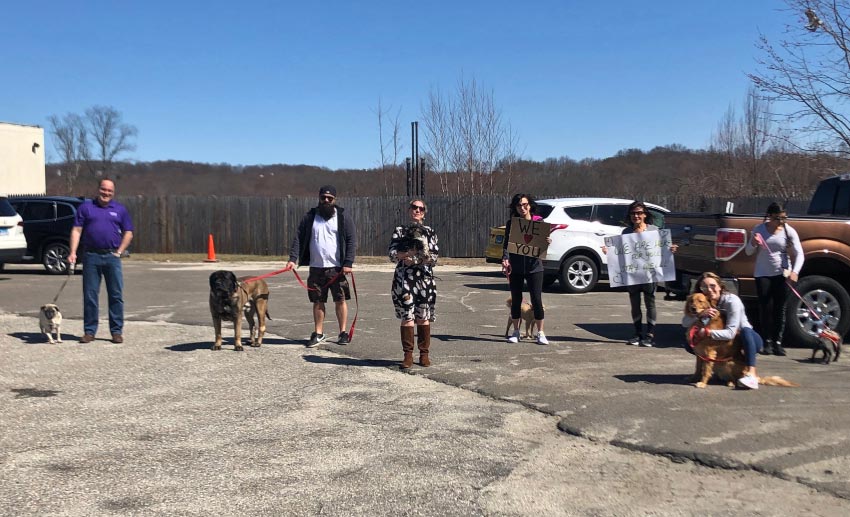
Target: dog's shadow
point(350, 361)
point(654, 378)
point(227, 344)
point(37, 338)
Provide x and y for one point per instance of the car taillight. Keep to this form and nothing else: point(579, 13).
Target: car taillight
point(729, 242)
point(559, 227)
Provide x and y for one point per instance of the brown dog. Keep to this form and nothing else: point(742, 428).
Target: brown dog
point(526, 315)
point(723, 358)
point(230, 297)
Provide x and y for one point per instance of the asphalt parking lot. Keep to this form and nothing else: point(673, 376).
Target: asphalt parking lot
point(514, 424)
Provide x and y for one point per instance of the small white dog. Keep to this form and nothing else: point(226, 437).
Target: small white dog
point(50, 319)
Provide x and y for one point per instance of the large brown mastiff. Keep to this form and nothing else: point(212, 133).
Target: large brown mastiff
point(230, 297)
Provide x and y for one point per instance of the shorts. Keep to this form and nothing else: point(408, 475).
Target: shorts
point(318, 280)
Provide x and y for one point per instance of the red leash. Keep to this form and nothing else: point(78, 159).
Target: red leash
point(693, 330)
point(273, 273)
point(330, 282)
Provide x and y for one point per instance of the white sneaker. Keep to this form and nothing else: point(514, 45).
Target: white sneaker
point(750, 382)
point(541, 339)
point(514, 337)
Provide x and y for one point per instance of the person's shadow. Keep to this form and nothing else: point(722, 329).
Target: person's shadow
point(666, 335)
point(351, 361)
point(452, 337)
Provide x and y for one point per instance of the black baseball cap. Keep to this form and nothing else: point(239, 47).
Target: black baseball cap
point(327, 190)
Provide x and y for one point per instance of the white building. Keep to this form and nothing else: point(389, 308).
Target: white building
point(21, 159)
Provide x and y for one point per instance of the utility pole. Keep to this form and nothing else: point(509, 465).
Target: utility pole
point(415, 165)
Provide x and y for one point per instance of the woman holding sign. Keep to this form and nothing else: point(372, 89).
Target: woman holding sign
point(414, 249)
point(773, 239)
point(641, 220)
point(522, 269)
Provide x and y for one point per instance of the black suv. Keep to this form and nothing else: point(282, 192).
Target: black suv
point(47, 225)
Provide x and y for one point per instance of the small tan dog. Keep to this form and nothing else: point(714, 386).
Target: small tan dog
point(526, 315)
point(50, 319)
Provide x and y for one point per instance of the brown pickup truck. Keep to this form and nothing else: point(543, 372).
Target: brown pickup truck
point(715, 242)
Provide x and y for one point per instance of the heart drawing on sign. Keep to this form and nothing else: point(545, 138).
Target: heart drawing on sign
point(527, 238)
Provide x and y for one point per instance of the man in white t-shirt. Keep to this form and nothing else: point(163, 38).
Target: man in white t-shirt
point(326, 240)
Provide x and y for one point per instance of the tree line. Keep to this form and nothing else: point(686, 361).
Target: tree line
point(631, 173)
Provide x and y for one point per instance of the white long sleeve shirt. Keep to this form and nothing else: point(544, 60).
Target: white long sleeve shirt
point(772, 261)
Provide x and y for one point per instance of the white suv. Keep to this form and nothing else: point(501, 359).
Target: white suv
point(580, 225)
point(13, 244)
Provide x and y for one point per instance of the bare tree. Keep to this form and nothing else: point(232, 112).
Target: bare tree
point(466, 136)
point(809, 71)
point(438, 136)
point(109, 136)
point(70, 142)
point(755, 137)
point(380, 112)
point(391, 145)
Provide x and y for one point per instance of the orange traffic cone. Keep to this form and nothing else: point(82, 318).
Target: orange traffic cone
point(210, 250)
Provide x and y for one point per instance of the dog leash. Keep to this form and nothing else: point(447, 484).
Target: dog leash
point(328, 284)
point(762, 244)
point(691, 334)
point(67, 277)
point(825, 331)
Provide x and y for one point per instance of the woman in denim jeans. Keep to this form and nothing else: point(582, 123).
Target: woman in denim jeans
point(736, 324)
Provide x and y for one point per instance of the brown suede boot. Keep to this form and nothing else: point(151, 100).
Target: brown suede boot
point(423, 339)
point(407, 346)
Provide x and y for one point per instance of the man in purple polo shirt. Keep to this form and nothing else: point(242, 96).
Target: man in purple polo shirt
point(105, 230)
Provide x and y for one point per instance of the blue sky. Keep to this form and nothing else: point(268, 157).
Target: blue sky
point(298, 82)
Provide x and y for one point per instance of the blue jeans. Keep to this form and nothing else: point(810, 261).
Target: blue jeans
point(108, 266)
point(751, 341)
point(752, 344)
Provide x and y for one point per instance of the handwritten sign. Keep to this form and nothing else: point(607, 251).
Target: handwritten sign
point(640, 258)
point(528, 237)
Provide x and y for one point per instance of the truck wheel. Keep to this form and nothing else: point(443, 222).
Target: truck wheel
point(827, 298)
point(55, 258)
point(578, 274)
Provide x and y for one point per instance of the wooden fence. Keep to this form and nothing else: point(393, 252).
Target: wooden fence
point(265, 226)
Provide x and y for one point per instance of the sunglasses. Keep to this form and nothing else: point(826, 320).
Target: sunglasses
point(417, 208)
point(636, 213)
point(712, 287)
point(524, 205)
point(327, 198)
point(781, 219)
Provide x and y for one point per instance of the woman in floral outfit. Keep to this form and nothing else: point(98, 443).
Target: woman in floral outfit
point(414, 292)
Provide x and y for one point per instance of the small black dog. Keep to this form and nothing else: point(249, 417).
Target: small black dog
point(414, 237)
point(829, 342)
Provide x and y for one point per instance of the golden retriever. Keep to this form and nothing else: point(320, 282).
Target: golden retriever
point(723, 358)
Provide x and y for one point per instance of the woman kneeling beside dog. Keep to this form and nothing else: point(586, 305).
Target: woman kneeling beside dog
point(736, 323)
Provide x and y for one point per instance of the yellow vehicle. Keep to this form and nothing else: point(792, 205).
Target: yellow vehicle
point(493, 253)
